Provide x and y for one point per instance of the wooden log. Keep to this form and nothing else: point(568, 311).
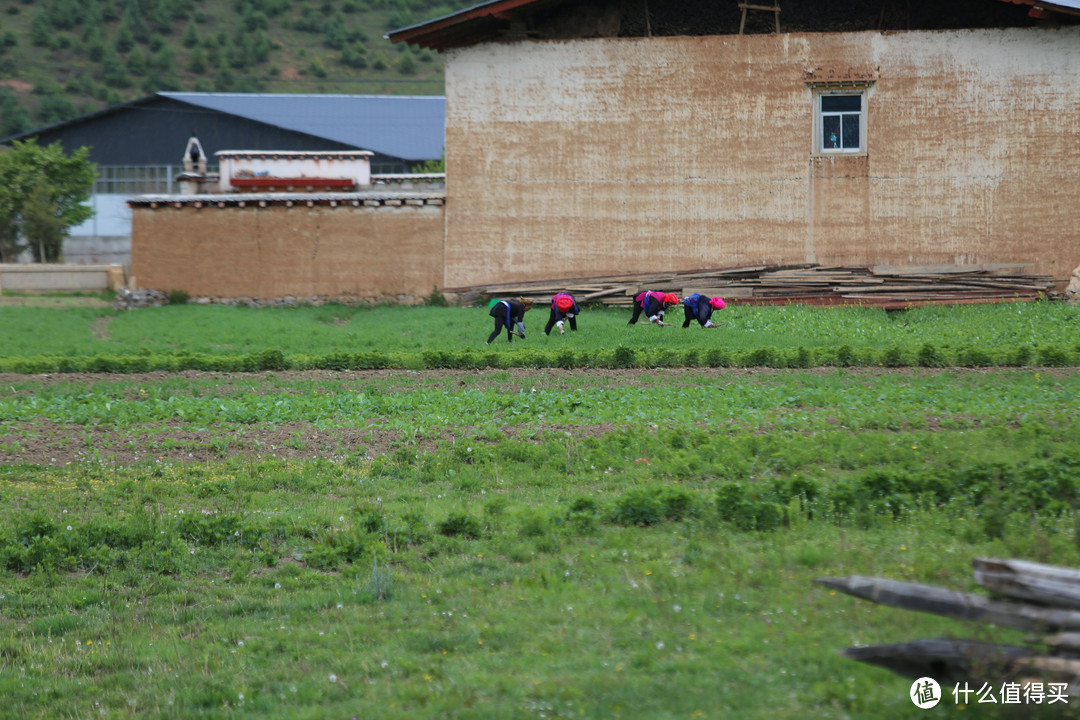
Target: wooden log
point(955, 604)
point(1059, 668)
point(1045, 584)
point(1028, 568)
point(928, 269)
point(1066, 643)
point(724, 292)
point(947, 660)
point(620, 289)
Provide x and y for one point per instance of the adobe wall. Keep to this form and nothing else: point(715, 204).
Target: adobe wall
point(384, 253)
point(585, 157)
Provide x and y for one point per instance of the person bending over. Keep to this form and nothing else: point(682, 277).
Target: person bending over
point(653, 305)
point(700, 308)
point(509, 314)
point(563, 307)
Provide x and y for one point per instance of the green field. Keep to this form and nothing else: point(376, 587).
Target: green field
point(341, 337)
point(595, 541)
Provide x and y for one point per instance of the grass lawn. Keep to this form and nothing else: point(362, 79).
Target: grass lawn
point(507, 543)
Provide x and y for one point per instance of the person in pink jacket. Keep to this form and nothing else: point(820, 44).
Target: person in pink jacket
point(563, 307)
point(653, 304)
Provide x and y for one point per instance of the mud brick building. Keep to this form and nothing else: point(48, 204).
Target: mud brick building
point(590, 137)
point(274, 224)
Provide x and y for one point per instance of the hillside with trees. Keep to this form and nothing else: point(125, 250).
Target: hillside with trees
point(63, 58)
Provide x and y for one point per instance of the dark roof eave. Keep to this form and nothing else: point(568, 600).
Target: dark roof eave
point(456, 29)
point(27, 134)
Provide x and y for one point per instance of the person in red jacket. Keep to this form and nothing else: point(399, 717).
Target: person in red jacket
point(700, 308)
point(508, 314)
point(653, 304)
point(563, 307)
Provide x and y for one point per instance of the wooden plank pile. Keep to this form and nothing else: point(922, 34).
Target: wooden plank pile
point(1043, 600)
point(892, 287)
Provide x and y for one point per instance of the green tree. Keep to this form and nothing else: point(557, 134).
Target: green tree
point(133, 21)
point(406, 64)
point(432, 166)
point(42, 225)
point(191, 36)
point(41, 33)
point(125, 40)
point(41, 183)
point(55, 107)
point(136, 62)
point(13, 117)
point(197, 61)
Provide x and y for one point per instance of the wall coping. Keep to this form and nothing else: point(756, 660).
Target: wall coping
point(392, 198)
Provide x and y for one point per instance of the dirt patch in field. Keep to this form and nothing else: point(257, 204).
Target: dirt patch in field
point(100, 328)
point(19, 86)
point(39, 443)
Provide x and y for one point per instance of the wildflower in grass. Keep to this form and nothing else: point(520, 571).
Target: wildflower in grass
point(333, 678)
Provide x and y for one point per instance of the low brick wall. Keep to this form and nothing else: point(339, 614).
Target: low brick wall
point(380, 248)
point(61, 278)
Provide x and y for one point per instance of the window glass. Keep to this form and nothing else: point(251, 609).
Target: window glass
point(830, 126)
point(841, 103)
point(840, 119)
point(850, 136)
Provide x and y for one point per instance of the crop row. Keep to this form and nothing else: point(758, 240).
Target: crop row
point(927, 355)
point(803, 402)
point(990, 492)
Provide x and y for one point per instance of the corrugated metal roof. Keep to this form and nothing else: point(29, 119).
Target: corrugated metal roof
point(411, 127)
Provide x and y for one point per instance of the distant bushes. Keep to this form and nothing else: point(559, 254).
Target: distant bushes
point(619, 357)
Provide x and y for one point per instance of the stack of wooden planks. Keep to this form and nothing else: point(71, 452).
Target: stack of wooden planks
point(892, 287)
point(1040, 599)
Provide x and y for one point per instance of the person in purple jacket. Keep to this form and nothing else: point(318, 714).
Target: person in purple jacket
point(653, 304)
point(700, 308)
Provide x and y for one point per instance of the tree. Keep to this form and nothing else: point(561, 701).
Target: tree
point(13, 117)
point(42, 225)
point(41, 189)
point(432, 166)
point(191, 36)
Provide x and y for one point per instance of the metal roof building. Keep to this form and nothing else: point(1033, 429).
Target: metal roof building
point(139, 146)
point(402, 131)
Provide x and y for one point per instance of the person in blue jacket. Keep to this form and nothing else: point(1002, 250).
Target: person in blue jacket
point(563, 307)
point(509, 314)
point(700, 308)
